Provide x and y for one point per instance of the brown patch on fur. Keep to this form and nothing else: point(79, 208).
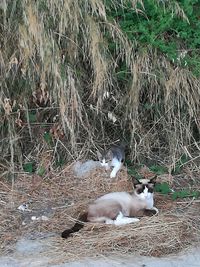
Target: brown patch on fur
point(137, 209)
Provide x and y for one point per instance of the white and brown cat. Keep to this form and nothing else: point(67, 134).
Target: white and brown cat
point(119, 208)
point(114, 157)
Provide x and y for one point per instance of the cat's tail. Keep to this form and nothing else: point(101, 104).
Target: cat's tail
point(123, 144)
point(77, 226)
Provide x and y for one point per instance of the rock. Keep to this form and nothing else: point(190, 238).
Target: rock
point(81, 169)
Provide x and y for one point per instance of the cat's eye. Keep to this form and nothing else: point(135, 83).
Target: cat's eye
point(140, 190)
point(106, 161)
point(150, 190)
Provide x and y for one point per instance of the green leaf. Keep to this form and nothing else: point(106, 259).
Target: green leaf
point(134, 173)
point(28, 167)
point(128, 162)
point(48, 138)
point(185, 193)
point(180, 164)
point(158, 169)
point(162, 188)
point(59, 163)
point(32, 117)
point(41, 171)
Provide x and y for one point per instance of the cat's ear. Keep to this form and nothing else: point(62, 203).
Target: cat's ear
point(99, 155)
point(135, 181)
point(153, 180)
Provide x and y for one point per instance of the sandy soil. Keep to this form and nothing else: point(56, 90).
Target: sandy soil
point(32, 253)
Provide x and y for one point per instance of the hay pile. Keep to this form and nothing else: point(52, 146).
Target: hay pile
point(62, 196)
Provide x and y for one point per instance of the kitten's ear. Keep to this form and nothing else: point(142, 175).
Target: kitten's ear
point(99, 155)
point(153, 180)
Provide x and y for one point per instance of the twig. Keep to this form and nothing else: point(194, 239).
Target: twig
point(61, 207)
point(191, 201)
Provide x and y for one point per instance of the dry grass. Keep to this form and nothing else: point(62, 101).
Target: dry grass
point(62, 196)
point(59, 76)
point(56, 63)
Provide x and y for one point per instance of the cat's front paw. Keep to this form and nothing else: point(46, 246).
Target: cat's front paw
point(112, 175)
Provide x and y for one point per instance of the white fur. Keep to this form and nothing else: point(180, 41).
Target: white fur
point(105, 164)
point(117, 166)
point(125, 199)
point(115, 170)
point(144, 181)
point(109, 221)
point(128, 205)
point(148, 197)
point(121, 220)
point(114, 163)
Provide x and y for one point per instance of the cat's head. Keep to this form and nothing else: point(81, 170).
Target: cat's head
point(104, 158)
point(144, 188)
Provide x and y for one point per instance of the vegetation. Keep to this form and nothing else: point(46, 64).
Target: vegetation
point(76, 75)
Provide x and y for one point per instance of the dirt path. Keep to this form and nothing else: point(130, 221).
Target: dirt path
point(31, 253)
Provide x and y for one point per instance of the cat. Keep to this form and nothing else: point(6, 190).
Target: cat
point(114, 157)
point(119, 208)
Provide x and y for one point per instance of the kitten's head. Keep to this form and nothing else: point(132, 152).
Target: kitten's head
point(104, 158)
point(144, 188)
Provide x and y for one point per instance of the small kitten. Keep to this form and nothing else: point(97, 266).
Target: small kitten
point(114, 157)
point(119, 208)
